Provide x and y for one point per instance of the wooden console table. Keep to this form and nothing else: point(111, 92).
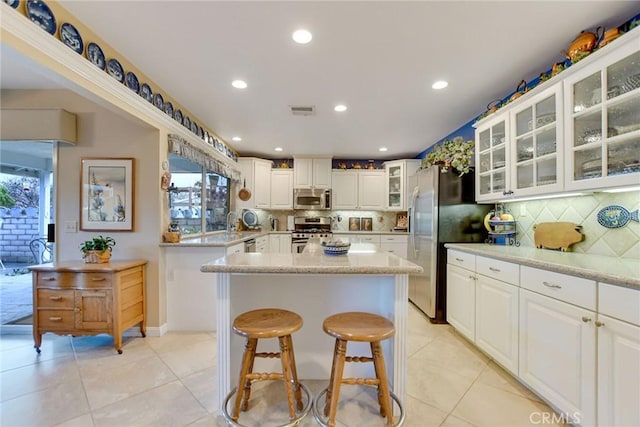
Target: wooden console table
point(88, 299)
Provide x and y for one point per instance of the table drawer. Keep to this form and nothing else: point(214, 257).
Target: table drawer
point(385, 238)
point(500, 270)
point(93, 280)
point(571, 289)
point(461, 259)
point(49, 298)
point(52, 279)
point(56, 319)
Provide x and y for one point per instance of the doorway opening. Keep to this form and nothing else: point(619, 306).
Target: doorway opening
point(26, 218)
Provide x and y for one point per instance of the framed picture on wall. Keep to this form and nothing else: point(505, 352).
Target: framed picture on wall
point(106, 194)
point(354, 224)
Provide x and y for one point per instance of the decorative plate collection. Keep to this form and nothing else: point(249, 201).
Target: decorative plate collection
point(39, 13)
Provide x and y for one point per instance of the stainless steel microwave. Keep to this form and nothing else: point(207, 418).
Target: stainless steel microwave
point(312, 198)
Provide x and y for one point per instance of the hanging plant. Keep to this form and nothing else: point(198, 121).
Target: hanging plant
point(454, 154)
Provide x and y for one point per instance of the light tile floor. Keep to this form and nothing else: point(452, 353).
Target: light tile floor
point(170, 381)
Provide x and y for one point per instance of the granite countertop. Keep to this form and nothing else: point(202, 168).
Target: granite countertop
point(400, 233)
point(362, 259)
point(617, 271)
point(222, 239)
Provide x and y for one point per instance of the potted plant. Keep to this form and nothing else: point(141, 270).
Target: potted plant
point(97, 250)
point(454, 153)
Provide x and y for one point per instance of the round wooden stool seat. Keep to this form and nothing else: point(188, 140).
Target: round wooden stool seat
point(267, 323)
point(260, 324)
point(358, 326)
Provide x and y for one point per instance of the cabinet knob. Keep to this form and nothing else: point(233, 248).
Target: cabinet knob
point(599, 324)
point(586, 319)
point(50, 279)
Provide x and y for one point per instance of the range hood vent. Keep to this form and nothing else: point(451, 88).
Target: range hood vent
point(302, 110)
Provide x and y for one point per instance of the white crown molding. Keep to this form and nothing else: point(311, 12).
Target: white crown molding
point(26, 37)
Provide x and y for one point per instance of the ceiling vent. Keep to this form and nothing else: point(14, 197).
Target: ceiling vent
point(302, 110)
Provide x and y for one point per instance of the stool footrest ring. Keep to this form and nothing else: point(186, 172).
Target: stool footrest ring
point(303, 413)
point(322, 420)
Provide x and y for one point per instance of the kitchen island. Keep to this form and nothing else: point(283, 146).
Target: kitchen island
point(315, 286)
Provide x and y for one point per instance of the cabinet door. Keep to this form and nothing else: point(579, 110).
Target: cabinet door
point(321, 176)
point(558, 354)
point(303, 173)
point(497, 321)
point(262, 184)
point(399, 249)
point(93, 309)
point(618, 373)
point(536, 161)
point(345, 190)
point(491, 159)
point(282, 189)
point(603, 132)
point(394, 188)
point(370, 190)
point(461, 300)
point(285, 244)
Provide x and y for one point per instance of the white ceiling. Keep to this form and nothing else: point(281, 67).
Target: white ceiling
point(377, 57)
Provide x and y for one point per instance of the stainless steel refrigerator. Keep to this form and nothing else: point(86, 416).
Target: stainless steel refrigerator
point(441, 209)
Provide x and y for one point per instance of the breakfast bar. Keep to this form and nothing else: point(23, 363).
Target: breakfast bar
point(315, 286)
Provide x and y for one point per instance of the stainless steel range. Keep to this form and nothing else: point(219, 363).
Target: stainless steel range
point(306, 227)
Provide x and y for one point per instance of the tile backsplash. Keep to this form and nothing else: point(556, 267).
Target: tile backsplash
point(381, 221)
point(621, 242)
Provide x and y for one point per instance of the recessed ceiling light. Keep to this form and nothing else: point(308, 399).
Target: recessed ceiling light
point(340, 108)
point(236, 139)
point(239, 84)
point(440, 84)
point(302, 36)
point(278, 149)
point(383, 149)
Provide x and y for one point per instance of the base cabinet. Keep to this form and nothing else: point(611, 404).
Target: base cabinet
point(557, 354)
point(497, 321)
point(461, 300)
point(280, 243)
point(88, 299)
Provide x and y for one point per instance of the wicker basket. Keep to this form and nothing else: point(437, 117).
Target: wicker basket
point(171, 237)
point(97, 257)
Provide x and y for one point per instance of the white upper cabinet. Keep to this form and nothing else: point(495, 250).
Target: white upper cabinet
point(281, 189)
point(603, 112)
point(396, 182)
point(492, 151)
point(536, 157)
point(578, 131)
point(256, 176)
point(361, 189)
point(312, 173)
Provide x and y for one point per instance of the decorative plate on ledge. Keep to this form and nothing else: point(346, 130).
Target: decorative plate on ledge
point(71, 37)
point(96, 56)
point(132, 81)
point(115, 70)
point(158, 101)
point(168, 109)
point(39, 12)
point(146, 92)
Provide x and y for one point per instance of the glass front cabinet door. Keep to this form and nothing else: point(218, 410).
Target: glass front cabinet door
point(603, 115)
point(535, 162)
point(397, 173)
point(491, 159)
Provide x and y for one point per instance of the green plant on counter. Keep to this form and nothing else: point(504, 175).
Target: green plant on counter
point(99, 244)
point(454, 154)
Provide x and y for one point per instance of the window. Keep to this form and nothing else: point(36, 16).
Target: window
point(194, 206)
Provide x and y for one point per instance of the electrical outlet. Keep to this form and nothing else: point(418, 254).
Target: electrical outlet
point(523, 210)
point(70, 227)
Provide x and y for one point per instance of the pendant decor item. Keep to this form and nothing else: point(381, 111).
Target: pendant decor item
point(616, 216)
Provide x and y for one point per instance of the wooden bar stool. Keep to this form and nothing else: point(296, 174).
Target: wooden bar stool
point(268, 323)
point(363, 327)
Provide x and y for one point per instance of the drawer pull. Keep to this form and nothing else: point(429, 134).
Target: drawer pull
point(459, 260)
point(50, 279)
point(586, 319)
point(98, 279)
point(552, 285)
point(599, 324)
point(55, 319)
point(495, 270)
point(55, 298)
point(473, 278)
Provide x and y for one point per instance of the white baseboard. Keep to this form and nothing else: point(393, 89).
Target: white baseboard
point(16, 329)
